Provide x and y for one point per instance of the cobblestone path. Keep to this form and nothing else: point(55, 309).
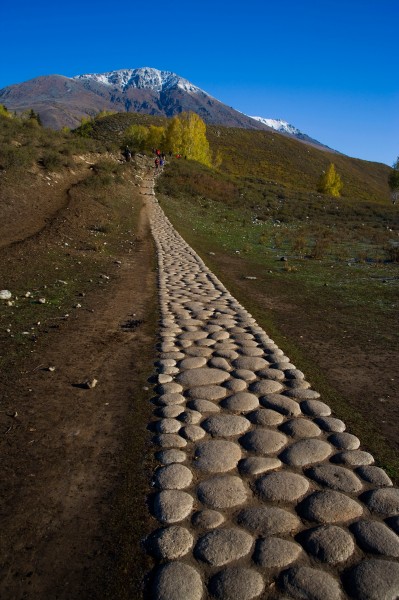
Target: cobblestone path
point(260, 492)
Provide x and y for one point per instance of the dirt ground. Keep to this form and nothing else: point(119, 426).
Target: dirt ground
point(75, 461)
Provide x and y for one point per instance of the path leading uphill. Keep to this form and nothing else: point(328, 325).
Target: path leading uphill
point(260, 492)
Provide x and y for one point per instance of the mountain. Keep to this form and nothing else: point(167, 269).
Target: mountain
point(64, 100)
point(284, 127)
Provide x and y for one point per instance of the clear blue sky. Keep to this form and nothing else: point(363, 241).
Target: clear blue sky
point(328, 67)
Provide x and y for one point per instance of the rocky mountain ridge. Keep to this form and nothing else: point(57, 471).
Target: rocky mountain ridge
point(63, 101)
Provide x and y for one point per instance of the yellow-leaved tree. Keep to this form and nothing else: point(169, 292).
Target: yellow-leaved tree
point(174, 136)
point(330, 182)
point(156, 137)
point(195, 145)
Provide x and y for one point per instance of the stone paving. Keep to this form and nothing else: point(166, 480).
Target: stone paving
point(260, 492)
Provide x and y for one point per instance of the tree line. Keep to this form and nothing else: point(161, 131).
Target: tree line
point(184, 135)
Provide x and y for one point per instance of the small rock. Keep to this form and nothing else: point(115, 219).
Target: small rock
point(5, 295)
point(89, 384)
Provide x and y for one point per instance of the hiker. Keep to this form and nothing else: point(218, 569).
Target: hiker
point(156, 163)
point(127, 154)
point(161, 162)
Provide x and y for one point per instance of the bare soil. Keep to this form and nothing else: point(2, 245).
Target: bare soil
point(75, 461)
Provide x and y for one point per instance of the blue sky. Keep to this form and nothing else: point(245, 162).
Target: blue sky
point(328, 67)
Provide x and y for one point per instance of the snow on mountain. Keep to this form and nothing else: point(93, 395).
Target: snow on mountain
point(142, 78)
point(278, 125)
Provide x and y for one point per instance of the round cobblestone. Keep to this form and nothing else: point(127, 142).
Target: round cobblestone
point(315, 408)
point(207, 392)
point(244, 374)
point(336, 478)
point(255, 465)
point(274, 552)
point(376, 537)
point(250, 363)
point(375, 580)
point(168, 426)
point(374, 475)
point(190, 417)
point(241, 402)
point(353, 458)
point(384, 501)
point(330, 507)
point(193, 433)
point(173, 477)
point(312, 584)
point(222, 546)
point(226, 425)
point(169, 412)
point(220, 363)
point(263, 441)
point(168, 457)
point(217, 456)
point(331, 424)
point(235, 385)
point(203, 406)
point(175, 581)
point(282, 486)
point(236, 582)
point(306, 452)
point(344, 441)
point(170, 440)
point(171, 506)
point(266, 387)
point(168, 399)
point(268, 520)
point(207, 519)
point(265, 416)
point(202, 376)
point(330, 544)
point(222, 492)
point(193, 362)
point(302, 428)
point(281, 404)
point(171, 543)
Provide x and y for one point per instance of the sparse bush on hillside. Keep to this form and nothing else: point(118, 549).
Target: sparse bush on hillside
point(393, 180)
point(330, 182)
point(51, 160)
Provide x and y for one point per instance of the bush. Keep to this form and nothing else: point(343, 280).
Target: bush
point(51, 160)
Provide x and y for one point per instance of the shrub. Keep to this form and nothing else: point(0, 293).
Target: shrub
point(330, 182)
point(51, 160)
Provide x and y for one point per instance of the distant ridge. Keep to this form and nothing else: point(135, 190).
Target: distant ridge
point(285, 127)
point(63, 101)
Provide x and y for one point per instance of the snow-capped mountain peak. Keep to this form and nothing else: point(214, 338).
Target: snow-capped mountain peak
point(142, 78)
point(278, 125)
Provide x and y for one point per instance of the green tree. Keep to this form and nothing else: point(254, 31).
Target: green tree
point(393, 179)
point(330, 182)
